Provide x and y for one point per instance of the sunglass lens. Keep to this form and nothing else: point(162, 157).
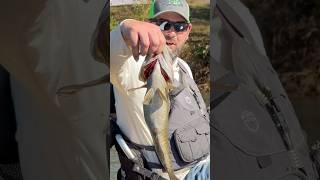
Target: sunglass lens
point(164, 25)
point(167, 26)
point(178, 27)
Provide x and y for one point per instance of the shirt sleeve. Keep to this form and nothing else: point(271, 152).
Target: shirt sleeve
point(124, 69)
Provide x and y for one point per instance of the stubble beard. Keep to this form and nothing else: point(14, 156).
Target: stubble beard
point(175, 53)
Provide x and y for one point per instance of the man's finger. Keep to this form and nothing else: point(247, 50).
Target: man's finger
point(144, 43)
point(162, 42)
point(154, 43)
point(134, 43)
point(135, 52)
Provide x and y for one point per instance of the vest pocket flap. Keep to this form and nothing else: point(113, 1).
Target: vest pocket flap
point(192, 145)
point(186, 136)
point(203, 128)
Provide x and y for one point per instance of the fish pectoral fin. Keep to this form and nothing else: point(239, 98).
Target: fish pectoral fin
point(133, 89)
point(149, 95)
point(74, 88)
point(161, 94)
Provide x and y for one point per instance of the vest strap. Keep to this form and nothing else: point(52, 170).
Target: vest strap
point(147, 173)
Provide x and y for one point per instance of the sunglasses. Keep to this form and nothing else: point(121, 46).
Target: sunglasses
point(166, 25)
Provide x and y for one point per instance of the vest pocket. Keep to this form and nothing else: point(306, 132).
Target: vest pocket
point(193, 141)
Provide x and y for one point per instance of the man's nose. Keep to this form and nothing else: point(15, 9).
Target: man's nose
point(171, 33)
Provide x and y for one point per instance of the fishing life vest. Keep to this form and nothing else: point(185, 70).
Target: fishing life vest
point(189, 129)
point(255, 132)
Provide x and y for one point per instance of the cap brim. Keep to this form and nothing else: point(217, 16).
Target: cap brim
point(159, 13)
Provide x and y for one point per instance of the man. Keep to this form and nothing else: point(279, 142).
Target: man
point(169, 25)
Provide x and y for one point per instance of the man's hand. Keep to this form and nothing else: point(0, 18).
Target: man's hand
point(142, 37)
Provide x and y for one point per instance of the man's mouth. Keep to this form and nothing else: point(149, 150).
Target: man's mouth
point(171, 43)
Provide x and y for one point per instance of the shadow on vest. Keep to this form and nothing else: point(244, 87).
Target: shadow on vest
point(255, 132)
point(9, 157)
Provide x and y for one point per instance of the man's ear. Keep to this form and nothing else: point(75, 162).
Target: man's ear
point(189, 30)
point(190, 27)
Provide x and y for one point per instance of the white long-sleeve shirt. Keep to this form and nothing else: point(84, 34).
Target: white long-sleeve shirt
point(124, 75)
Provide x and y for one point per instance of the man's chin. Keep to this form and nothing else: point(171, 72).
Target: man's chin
point(173, 49)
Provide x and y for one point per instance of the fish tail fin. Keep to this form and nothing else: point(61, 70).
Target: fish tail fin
point(148, 96)
point(173, 176)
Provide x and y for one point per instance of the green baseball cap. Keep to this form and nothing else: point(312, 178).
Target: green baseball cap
point(180, 7)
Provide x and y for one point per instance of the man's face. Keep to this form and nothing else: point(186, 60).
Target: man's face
point(174, 40)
